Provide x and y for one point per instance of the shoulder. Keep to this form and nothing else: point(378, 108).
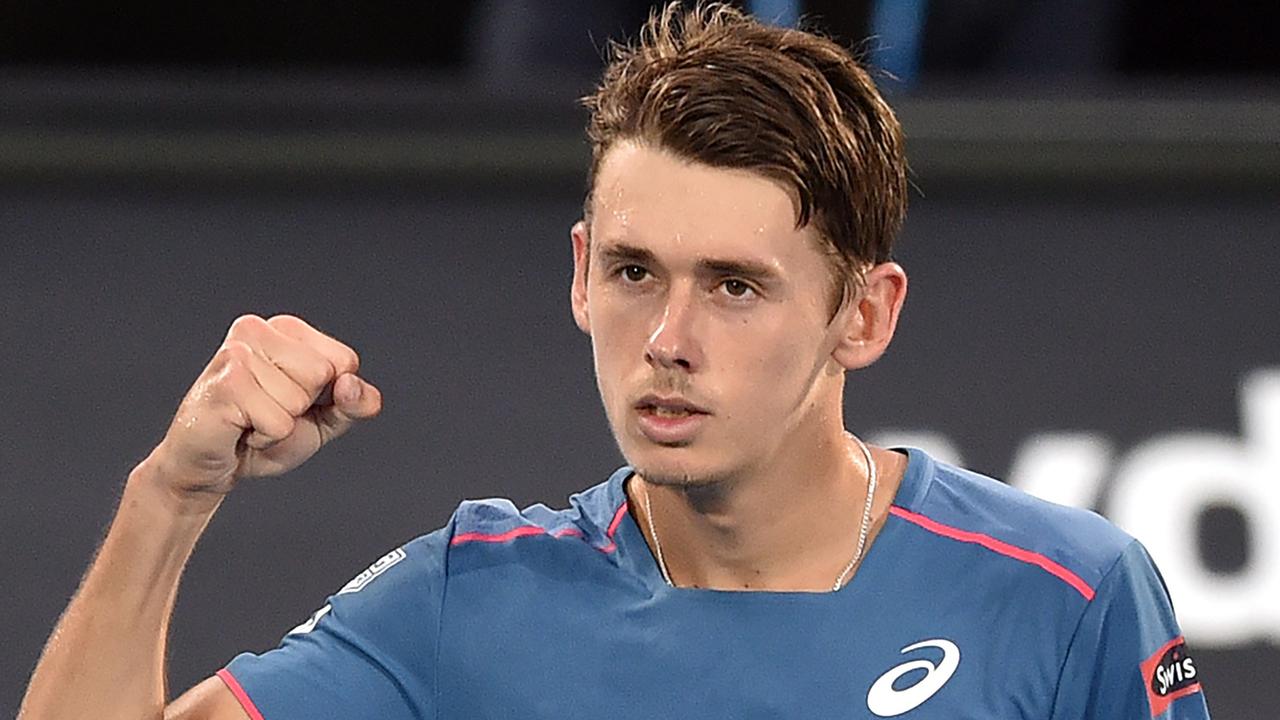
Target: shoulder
point(490, 527)
point(409, 580)
point(591, 517)
point(1079, 546)
point(403, 582)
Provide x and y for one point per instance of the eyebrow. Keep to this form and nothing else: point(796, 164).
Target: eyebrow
point(622, 252)
point(716, 267)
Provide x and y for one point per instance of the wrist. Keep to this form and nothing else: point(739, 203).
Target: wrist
point(158, 484)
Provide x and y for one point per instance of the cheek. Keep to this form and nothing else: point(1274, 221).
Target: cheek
point(616, 327)
point(617, 338)
point(773, 367)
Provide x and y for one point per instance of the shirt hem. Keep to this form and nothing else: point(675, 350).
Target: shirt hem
point(241, 696)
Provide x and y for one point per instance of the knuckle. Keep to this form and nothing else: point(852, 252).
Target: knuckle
point(285, 426)
point(248, 323)
point(275, 426)
point(314, 375)
point(286, 321)
point(297, 403)
point(350, 360)
point(232, 356)
point(235, 352)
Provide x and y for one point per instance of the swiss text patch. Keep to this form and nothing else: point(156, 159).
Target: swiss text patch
point(1170, 673)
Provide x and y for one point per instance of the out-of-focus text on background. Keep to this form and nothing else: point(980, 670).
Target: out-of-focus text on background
point(1094, 313)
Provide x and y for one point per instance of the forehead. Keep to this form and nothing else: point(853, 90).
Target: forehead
point(670, 205)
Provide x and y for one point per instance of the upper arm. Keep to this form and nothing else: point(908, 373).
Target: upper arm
point(1121, 644)
point(368, 652)
point(209, 700)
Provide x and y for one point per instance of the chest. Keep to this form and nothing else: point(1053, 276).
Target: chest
point(546, 647)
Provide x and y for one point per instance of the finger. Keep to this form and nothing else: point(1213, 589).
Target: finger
point(263, 422)
point(355, 399)
point(341, 356)
point(288, 394)
point(303, 364)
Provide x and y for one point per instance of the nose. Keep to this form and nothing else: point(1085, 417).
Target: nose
point(672, 344)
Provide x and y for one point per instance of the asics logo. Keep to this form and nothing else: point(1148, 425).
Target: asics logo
point(886, 701)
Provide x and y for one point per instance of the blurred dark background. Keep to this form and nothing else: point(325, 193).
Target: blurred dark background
point(1089, 39)
point(1092, 245)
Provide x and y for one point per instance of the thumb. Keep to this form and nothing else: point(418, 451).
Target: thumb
point(353, 399)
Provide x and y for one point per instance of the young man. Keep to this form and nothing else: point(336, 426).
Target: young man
point(753, 560)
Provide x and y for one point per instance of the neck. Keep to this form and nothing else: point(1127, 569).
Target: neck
point(790, 527)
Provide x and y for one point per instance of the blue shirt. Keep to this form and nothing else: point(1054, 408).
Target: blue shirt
point(975, 601)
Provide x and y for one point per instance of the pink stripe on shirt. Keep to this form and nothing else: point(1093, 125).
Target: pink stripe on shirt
point(998, 546)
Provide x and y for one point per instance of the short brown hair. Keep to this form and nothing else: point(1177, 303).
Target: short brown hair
point(714, 85)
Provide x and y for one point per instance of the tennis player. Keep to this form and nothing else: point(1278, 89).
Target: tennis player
point(752, 560)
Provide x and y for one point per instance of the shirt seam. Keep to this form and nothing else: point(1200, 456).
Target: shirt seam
point(444, 590)
point(1075, 631)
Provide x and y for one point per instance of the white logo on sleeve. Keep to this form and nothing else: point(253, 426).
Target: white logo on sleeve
point(358, 583)
point(383, 564)
point(310, 624)
point(886, 701)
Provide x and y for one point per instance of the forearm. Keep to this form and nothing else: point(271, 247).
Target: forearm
point(106, 658)
point(251, 413)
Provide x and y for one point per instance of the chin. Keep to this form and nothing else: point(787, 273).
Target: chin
point(684, 467)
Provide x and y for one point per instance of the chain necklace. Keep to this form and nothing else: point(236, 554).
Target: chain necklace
point(863, 529)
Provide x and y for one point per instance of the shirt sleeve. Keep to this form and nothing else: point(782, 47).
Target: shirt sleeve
point(1128, 658)
point(368, 652)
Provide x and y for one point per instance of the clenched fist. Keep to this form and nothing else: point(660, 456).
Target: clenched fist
point(254, 412)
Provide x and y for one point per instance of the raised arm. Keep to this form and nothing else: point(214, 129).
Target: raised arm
point(253, 412)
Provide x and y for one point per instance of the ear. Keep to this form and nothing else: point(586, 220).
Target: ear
point(578, 290)
point(870, 319)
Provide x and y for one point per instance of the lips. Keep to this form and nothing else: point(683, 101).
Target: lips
point(670, 420)
point(669, 406)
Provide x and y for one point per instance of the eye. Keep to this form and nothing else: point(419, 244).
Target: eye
point(634, 273)
point(736, 288)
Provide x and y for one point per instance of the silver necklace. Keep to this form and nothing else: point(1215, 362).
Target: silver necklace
point(863, 529)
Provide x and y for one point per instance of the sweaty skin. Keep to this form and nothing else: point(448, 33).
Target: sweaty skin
point(722, 369)
point(701, 298)
point(251, 413)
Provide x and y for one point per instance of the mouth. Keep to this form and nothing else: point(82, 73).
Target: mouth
point(668, 407)
point(670, 421)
